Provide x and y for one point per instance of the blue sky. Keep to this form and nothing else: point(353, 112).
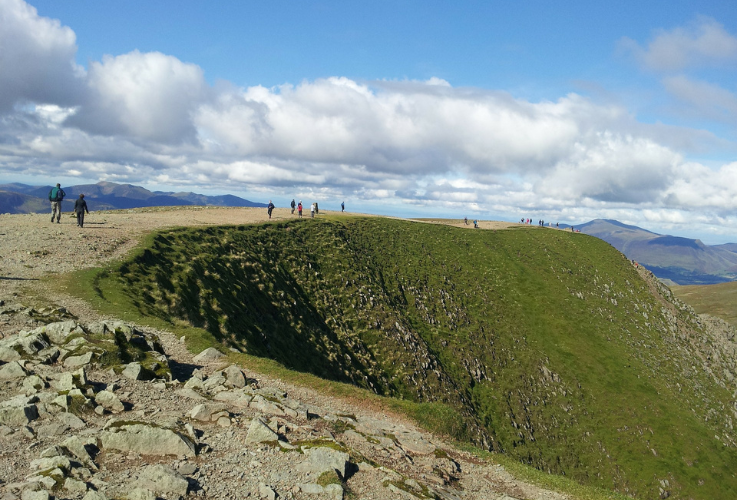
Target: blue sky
point(556, 110)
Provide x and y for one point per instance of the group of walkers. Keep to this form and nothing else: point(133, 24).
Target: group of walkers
point(314, 208)
point(540, 223)
point(56, 196)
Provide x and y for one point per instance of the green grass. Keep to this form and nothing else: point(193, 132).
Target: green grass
point(509, 340)
point(718, 300)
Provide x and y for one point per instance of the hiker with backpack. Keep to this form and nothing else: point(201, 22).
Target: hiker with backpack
point(56, 195)
point(270, 208)
point(80, 207)
point(293, 205)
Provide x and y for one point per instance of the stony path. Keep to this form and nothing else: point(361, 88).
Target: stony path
point(79, 421)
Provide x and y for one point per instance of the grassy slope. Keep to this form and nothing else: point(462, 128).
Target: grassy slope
point(517, 330)
point(718, 300)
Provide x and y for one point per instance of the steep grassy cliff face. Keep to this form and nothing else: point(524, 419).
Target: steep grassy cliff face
point(551, 345)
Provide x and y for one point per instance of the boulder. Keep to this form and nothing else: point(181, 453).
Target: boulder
point(66, 382)
point(208, 355)
point(323, 459)
point(190, 394)
point(141, 494)
point(35, 495)
point(75, 485)
point(134, 371)
point(18, 415)
point(58, 462)
point(147, 440)
point(76, 447)
point(33, 383)
point(12, 370)
point(94, 495)
point(48, 355)
point(71, 420)
point(208, 412)
point(414, 443)
point(265, 491)
point(77, 361)
point(58, 332)
point(214, 381)
point(259, 432)
point(234, 377)
point(161, 479)
point(109, 401)
point(8, 354)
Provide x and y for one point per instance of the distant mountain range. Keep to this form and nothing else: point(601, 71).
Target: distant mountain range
point(683, 261)
point(22, 198)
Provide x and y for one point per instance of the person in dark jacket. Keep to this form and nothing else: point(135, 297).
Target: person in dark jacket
point(270, 208)
point(55, 196)
point(80, 207)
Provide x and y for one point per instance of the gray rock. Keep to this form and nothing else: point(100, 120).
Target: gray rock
point(58, 332)
point(147, 440)
point(12, 370)
point(208, 355)
point(17, 416)
point(214, 381)
point(414, 443)
point(141, 494)
point(190, 394)
point(194, 383)
point(94, 495)
point(187, 469)
point(77, 361)
point(109, 401)
point(62, 401)
point(52, 451)
point(134, 371)
point(75, 485)
point(48, 355)
point(311, 488)
point(52, 429)
point(71, 420)
point(259, 432)
point(333, 492)
point(33, 384)
point(233, 397)
point(76, 447)
point(8, 354)
point(266, 492)
point(207, 412)
point(58, 462)
point(324, 459)
point(35, 495)
point(161, 479)
point(234, 377)
point(66, 382)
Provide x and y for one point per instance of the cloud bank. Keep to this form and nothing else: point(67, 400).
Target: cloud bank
point(151, 118)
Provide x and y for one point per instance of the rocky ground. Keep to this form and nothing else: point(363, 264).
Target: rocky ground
point(95, 408)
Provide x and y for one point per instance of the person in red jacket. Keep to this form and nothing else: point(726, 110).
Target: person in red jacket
point(299, 208)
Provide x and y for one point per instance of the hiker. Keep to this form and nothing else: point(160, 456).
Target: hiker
point(270, 208)
point(299, 208)
point(317, 210)
point(56, 195)
point(475, 224)
point(342, 206)
point(312, 210)
point(293, 205)
point(80, 207)
point(465, 220)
